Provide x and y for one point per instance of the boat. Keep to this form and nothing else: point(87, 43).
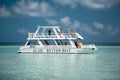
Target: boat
point(52, 39)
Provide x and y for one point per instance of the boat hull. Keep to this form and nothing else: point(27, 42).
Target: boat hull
point(57, 50)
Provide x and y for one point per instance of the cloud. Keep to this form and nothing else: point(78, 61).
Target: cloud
point(4, 12)
point(72, 3)
point(112, 31)
point(99, 4)
point(33, 8)
point(97, 29)
point(107, 29)
point(93, 4)
point(89, 29)
point(76, 24)
point(73, 24)
point(66, 21)
point(51, 21)
point(22, 31)
point(98, 25)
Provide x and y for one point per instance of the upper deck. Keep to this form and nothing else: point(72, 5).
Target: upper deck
point(52, 32)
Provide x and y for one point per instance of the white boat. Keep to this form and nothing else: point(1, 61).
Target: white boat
point(52, 39)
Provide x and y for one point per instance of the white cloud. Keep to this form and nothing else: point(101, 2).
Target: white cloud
point(94, 4)
point(33, 8)
point(98, 25)
point(69, 23)
point(66, 21)
point(4, 12)
point(22, 31)
point(99, 4)
point(72, 3)
point(51, 21)
point(76, 24)
point(89, 29)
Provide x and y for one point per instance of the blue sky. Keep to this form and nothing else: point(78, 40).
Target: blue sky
point(95, 20)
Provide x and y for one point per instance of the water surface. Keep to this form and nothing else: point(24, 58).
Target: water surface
point(104, 64)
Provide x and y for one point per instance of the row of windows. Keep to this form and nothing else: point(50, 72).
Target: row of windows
point(49, 42)
point(52, 42)
point(32, 42)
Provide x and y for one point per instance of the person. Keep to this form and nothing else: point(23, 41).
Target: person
point(69, 33)
point(58, 43)
point(49, 32)
point(61, 31)
point(76, 44)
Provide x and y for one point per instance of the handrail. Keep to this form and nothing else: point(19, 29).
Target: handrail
point(45, 35)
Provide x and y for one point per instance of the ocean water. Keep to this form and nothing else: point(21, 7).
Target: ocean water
point(104, 64)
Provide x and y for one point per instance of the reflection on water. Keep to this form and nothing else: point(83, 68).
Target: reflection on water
point(102, 65)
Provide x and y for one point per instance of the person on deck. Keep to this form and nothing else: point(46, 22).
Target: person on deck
point(61, 31)
point(49, 32)
point(76, 44)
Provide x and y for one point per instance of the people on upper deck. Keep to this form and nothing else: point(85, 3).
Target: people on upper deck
point(49, 32)
point(61, 31)
point(69, 32)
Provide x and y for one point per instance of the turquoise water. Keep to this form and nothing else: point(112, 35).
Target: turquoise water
point(104, 64)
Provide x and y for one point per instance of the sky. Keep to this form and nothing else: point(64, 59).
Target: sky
point(95, 20)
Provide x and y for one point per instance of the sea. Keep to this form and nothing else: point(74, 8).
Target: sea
point(103, 64)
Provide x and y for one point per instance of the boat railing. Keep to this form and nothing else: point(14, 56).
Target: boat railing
point(45, 35)
point(69, 36)
point(39, 35)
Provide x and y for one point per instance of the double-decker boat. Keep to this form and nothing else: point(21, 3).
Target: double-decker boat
point(52, 39)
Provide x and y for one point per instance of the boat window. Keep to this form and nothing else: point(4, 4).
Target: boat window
point(63, 42)
point(48, 42)
point(33, 42)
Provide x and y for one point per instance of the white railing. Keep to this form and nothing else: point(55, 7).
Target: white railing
point(38, 35)
point(45, 35)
